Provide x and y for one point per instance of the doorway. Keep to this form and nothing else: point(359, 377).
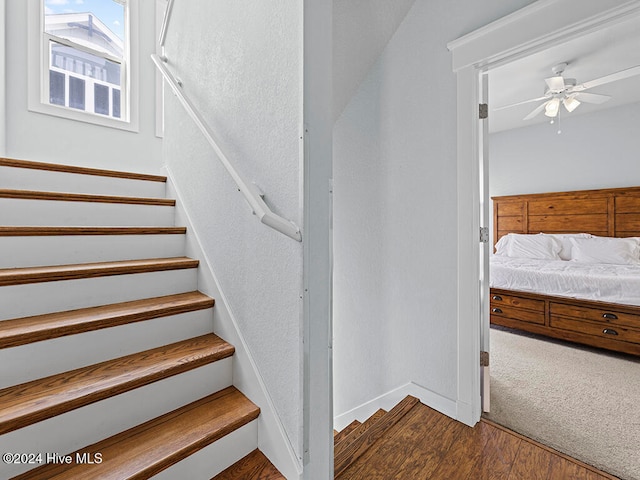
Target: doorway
point(530, 30)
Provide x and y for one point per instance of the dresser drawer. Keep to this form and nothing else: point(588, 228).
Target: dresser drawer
point(518, 314)
point(611, 332)
point(611, 317)
point(500, 300)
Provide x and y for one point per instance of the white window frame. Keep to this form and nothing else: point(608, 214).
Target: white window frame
point(38, 72)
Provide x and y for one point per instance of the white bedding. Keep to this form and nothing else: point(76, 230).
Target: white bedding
point(587, 281)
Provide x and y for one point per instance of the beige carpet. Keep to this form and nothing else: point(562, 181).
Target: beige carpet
point(578, 400)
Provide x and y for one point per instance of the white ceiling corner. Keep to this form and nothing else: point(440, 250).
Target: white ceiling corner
point(361, 31)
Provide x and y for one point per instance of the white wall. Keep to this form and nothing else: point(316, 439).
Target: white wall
point(395, 212)
point(36, 136)
point(3, 126)
point(596, 150)
point(239, 61)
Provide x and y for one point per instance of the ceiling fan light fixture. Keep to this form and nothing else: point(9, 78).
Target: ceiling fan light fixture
point(552, 107)
point(571, 103)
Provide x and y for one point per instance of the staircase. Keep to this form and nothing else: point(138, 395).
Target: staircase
point(109, 368)
point(352, 442)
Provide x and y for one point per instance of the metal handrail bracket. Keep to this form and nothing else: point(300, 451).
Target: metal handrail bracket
point(250, 192)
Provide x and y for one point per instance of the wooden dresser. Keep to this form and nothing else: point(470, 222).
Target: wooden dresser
point(599, 324)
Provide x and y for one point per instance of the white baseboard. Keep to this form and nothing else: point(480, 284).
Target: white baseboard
point(390, 399)
point(466, 414)
point(272, 439)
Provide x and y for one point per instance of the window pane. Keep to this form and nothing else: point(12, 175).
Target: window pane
point(84, 64)
point(116, 102)
point(76, 93)
point(87, 42)
point(101, 99)
point(102, 29)
point(56, 88)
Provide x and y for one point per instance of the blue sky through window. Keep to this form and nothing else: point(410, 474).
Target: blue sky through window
point(111, 13)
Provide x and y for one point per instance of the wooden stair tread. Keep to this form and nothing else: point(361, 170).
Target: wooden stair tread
point(83, 197)
point(346, 431)
point(149, 448)
point(21, 331)
point(356, 448)
point(20, 276)
point(255, 466)
point(357, 432)
point(57, 231)
point(54, 167)
point(30, 402)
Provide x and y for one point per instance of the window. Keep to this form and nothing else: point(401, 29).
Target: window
point(84, 72)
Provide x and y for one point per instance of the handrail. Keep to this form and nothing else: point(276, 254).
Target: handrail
point(165, 25)
point(250, 192)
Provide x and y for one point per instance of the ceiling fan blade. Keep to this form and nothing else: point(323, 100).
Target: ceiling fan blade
point(612, 77)
point(592, 97)
point(555, 84)
point(544, 97)
point(538, 109)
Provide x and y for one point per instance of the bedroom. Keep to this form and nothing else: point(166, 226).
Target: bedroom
point(596, 147)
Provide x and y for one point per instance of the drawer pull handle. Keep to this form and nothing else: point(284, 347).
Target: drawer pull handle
point(610, 316)
point(497, 297)
point(609, 331)
point(496, 310)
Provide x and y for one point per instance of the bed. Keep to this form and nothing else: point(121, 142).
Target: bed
point(567, 265)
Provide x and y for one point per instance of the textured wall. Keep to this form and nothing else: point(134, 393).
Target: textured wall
point(395, 210)
point(35, 136)
point(596, 150)
point(239, 61)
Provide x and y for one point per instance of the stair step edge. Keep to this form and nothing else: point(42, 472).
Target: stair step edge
point(346, 431)
point(83, 197)
point(37, 400)
point(255, 466)
point(24, 231)
point(375, 432)
point(153, 446)
point(55, 167)
point(21, 331)
point(357, 432)
point(21, 276)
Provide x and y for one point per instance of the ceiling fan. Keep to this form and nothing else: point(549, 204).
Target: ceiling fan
point(566, 91)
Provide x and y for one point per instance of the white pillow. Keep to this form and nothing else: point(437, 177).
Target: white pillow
point(543, 247)
point(618, 251)
point(503, 245)
point(564, 238)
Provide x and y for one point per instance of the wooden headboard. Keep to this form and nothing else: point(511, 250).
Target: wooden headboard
point(613, 212)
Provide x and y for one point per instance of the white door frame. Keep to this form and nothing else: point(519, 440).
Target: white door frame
point(317, 150)
point(534, 28)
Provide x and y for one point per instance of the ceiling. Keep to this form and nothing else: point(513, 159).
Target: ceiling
point(590, 56)
point(361, 31)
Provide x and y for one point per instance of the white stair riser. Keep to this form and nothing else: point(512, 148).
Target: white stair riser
point(49, 357)
point(65, 250)
point(46, 297)
point(27, 212)
point(213, 459)
point(48, 181)
point(86, 425)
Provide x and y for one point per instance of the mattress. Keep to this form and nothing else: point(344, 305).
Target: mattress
point(586, 281)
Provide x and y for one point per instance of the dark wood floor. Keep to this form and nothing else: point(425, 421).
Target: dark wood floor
point(425, 444)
